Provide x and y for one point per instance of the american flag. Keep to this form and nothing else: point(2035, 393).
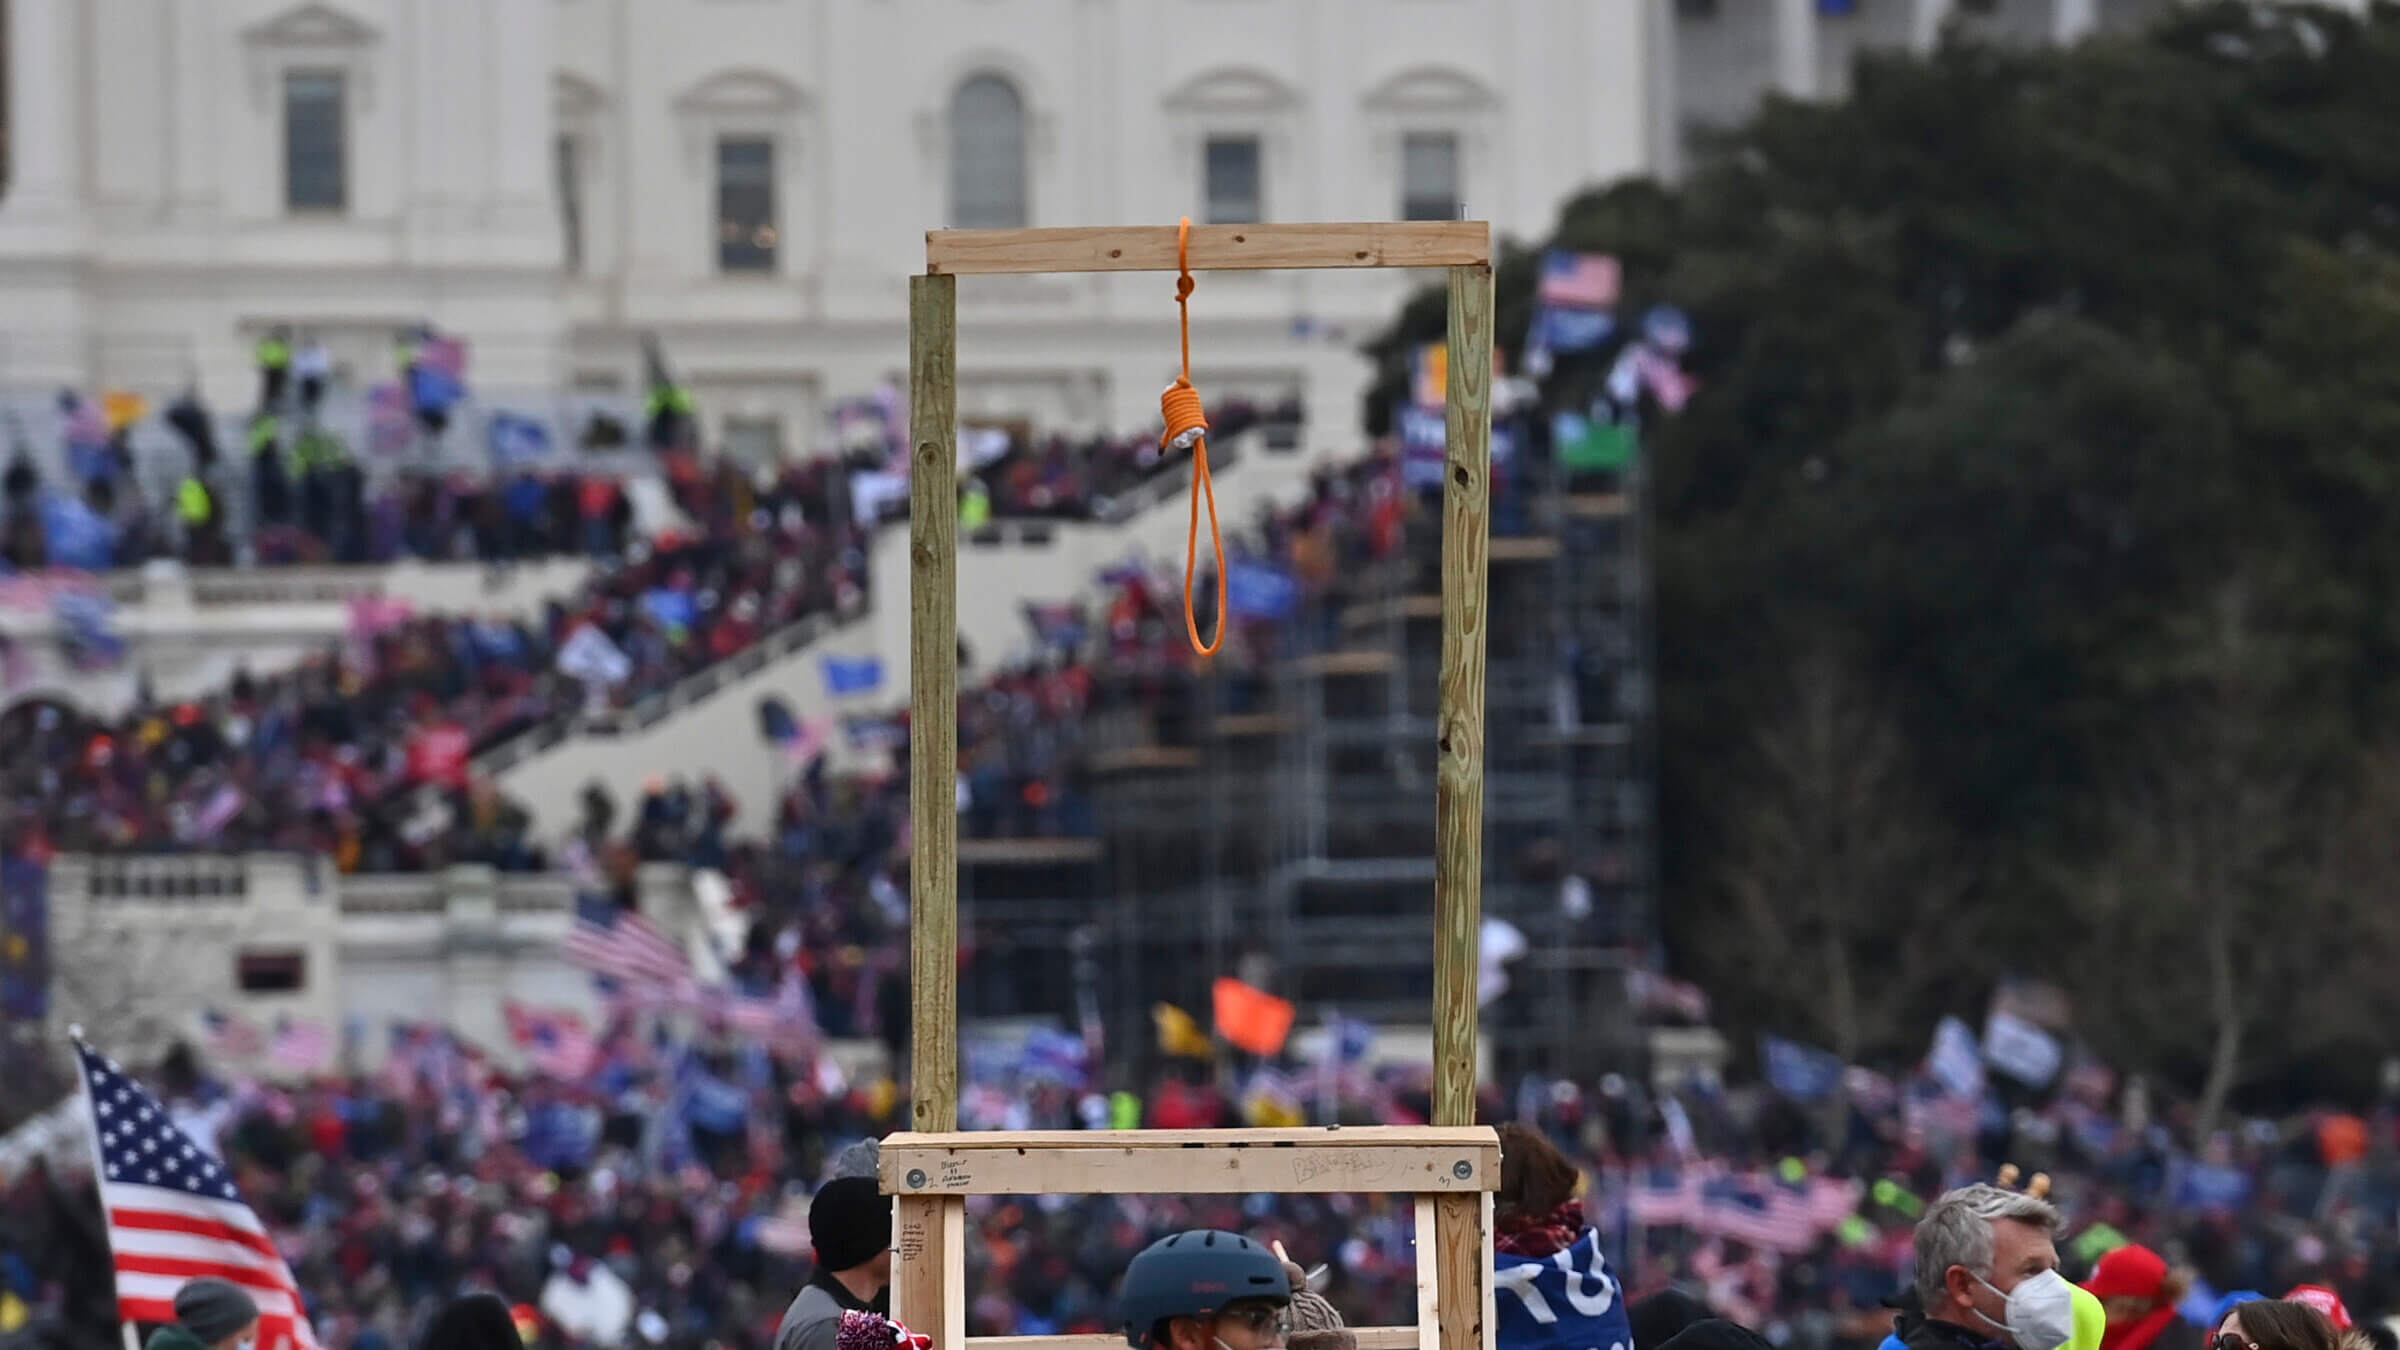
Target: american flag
point(301, 1046)
point(1759, 1211)
point(1580, 280)
point(556, 1044)
point(173, 1214)
point(621, 944)
point(229, 1035)
point(788, 1020)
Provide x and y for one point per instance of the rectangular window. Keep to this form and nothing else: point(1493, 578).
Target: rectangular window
point(316, 141)
point(1231, 180)
point(271, 972)
point(570, 201)
point(1429, 176)
point(746, 233)
point(754, 440)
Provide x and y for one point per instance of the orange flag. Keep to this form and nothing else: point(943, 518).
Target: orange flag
point(1252, 1019)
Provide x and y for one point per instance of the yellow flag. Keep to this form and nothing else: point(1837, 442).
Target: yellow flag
point(123, 409)
point(1178, 1034)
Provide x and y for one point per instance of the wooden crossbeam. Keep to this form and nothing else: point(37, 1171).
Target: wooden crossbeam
point(1414, 1160)
point(1369, 1338)
point(1214, 248)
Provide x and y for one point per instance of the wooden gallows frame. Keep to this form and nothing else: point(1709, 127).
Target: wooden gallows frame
point(1452, 1166)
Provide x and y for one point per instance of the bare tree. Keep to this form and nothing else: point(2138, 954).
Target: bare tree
point(2219, 908)
point(1834, 866)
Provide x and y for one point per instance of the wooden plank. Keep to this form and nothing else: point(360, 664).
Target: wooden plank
point(1458, 775)
point(1524, 548)
point(1596, 505)
point(1365, 661)
point(1462, 1263)
point(929, 1234)
point(933, 702)
point(1028, 852)
point(1369, 1338)
point(1234, 725)
point(1305, 1136)
point(1144, 758)
point(1244, 1162)
point(1404, 607)
point(1214, 248)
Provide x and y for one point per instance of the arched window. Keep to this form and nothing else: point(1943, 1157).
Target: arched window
point(987, 155)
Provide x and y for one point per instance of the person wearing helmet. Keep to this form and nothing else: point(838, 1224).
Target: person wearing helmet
point(1205, 1290)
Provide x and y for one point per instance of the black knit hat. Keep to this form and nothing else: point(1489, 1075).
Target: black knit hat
point(848, 1222)
point(213, 1309)
point(473, 1322)
point(1715, 1333)
point(1657, 1318)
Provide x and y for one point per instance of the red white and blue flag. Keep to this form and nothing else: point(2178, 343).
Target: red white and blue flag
point(557, 1044)
point(174, 1216)
point(1580, 280)
point(620, 944)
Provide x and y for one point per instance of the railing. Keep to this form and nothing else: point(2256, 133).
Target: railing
point(387, 895)
point(196, 877)
point(792, 637)
point(650, 711)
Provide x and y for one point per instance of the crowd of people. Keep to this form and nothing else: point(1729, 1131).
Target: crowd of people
point(364, 751)
point(674, 1179)
point(305, 495)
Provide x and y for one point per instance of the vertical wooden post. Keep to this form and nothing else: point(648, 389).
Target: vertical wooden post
point(927, 1231)
point(1462, 1251)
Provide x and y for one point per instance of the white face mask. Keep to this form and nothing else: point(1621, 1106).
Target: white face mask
point(2041, 1311)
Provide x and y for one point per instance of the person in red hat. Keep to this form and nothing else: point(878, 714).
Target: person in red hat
point(2326, 1301)
point(2140, 1294)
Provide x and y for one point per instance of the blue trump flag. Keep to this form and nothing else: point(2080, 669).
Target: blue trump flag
point(844, 675)
point(1255, 590)
point(1801, 1072)
point(1566, 1301)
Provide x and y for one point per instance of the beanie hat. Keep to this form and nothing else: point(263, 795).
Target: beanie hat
point(473, 1322)
point(1311, 1312)
point(1656, 1319)
point(1715, 1333)
point(213, 1309)
point(848, 1222)
point(858, 1160)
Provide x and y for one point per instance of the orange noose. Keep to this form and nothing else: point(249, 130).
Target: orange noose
point(1187, 427)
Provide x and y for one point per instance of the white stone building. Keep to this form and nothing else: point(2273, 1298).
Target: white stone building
point(749, 180)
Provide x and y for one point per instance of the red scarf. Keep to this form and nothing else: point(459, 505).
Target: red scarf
point(1540, 1235)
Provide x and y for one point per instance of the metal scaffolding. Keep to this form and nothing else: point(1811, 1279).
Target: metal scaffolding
point(1279, 824)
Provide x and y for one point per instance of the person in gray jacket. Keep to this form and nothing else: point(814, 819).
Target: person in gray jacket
point(850, 1226)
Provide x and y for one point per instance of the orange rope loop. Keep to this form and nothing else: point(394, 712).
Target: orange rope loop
point(1187, 428)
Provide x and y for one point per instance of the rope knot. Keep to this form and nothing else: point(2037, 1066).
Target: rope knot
point(1187, 429)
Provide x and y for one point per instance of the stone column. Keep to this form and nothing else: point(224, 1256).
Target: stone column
point(196, 72)
point(523, 179)
point(1925, 29)
point(2073, 20)
point(45, 119)
point(1796, 47)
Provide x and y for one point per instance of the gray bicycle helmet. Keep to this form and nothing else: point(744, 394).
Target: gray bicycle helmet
point(1193, 1274)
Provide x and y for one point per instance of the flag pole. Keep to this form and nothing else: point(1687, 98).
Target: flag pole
point(91, 1113)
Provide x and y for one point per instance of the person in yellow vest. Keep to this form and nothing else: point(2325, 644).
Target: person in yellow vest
point(274, 356)
point(203, 532)
point(974, 506)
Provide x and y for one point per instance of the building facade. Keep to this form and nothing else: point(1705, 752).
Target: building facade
point(748, 181)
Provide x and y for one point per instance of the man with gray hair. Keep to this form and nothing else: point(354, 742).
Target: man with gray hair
point(1987, 1274)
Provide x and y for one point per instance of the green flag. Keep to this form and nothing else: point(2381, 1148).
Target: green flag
point(1585, 446)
